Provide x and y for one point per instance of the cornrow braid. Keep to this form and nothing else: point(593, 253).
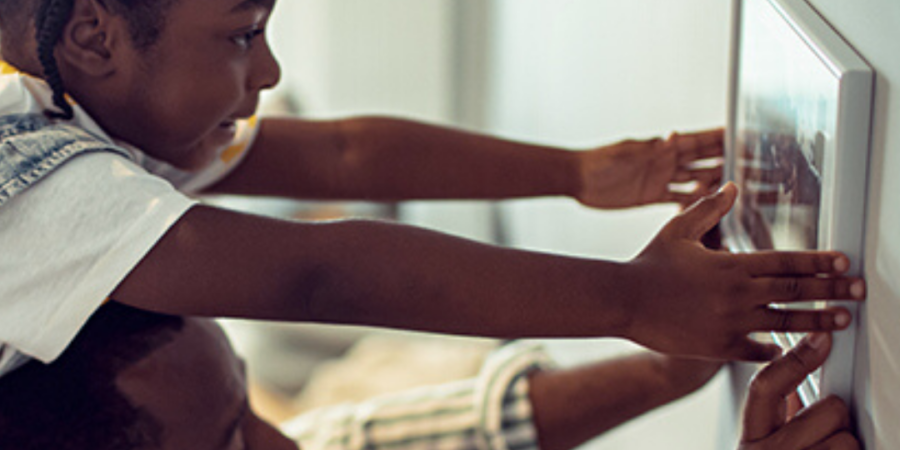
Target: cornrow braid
point(52, 17)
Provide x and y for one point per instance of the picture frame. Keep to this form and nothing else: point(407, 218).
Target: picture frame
point(797, 145)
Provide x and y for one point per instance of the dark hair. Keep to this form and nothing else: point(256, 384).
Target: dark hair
point(73, 403)
point(146, 19)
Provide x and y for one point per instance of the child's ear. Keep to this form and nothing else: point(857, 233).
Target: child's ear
point(90, 38)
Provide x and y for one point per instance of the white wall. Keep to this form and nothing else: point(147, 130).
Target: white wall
point(394, 57)
point(585, 72)
point(578, 72)
point(348, 57)
point(873, 28)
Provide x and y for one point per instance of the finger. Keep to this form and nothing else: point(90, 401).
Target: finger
point(684, 199)
point(794, 404)
point(788, 320)
point(815, 424)
point(841, 441)
point(692, 147)
point(777, 380)
point(771, 263)
point(706, 138)
point(795, 289)
point(688, 155)
point(703, 215)
point(707, 174)
point(686, 194)
point(702, 175)
point(682, 176)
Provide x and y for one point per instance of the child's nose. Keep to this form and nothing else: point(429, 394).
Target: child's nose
point(268, 71)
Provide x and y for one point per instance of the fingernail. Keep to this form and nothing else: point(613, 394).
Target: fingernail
point(842, 319)
point(724, 188)
point(858, 289)
point(841, 264)
point(817, 340)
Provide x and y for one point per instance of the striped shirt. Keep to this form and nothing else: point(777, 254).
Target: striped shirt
point(489, 412)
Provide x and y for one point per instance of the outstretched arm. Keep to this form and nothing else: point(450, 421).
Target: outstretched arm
point(515, 402)
point(392, 159)
point(676, 297)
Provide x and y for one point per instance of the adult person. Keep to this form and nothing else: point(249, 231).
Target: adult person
point(138, 380)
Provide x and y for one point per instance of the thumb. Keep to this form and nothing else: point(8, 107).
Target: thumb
point(704, 215)
point(763, 412)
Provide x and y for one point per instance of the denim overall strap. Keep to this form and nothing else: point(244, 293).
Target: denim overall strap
point(32, 146)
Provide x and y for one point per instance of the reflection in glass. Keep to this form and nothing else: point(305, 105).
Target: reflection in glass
point(786, 121)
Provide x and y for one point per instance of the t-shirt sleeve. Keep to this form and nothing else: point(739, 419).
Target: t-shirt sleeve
point(68, 241)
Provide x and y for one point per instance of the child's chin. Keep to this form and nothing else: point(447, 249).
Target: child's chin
point(222, 135)
point(202, 153)
point(196, 158)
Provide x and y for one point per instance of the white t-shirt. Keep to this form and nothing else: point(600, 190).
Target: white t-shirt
point(71, 238)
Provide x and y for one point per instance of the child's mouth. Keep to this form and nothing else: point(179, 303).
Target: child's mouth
point(224, 133)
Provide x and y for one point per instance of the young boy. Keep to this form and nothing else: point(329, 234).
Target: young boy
point(112, 110)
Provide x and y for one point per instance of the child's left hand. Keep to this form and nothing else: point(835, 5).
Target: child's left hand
point(636, 173)
point(684, 299)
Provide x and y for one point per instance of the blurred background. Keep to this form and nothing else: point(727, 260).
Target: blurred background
point(571, 73)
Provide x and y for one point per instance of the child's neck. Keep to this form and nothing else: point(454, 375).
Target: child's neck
point(30, 66)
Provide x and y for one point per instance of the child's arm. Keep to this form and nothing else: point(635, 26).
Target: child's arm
point(677, 296)
point(392, 159)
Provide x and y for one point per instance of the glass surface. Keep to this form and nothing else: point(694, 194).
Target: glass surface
point(785, 124)
point(786, 117)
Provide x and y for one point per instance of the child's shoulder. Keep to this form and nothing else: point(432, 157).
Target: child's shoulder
point(32, 146)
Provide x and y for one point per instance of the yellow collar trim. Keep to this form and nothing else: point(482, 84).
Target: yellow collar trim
point(7, 69)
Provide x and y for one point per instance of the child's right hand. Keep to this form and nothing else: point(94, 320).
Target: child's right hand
point(690, 300)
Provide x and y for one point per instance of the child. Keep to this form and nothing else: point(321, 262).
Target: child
point(146, 101)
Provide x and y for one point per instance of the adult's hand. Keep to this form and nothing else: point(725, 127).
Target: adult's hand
point(635, 173)
point(770, 423)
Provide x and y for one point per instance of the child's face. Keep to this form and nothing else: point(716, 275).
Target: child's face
point(178, 100)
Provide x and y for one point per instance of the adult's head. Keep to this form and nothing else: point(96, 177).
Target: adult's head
point(135, 380)
point(169, 76)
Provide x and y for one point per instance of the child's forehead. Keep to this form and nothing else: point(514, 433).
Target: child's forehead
point(187, 20)
point(252, 4)
point(204, 10)
point(232, 6)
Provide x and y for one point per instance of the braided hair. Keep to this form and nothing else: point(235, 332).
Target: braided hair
point(52, 17)
point(145, 21)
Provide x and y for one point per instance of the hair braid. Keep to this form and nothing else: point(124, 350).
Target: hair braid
point(51, 19)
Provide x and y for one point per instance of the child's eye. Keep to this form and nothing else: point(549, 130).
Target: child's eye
point(245, 40)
